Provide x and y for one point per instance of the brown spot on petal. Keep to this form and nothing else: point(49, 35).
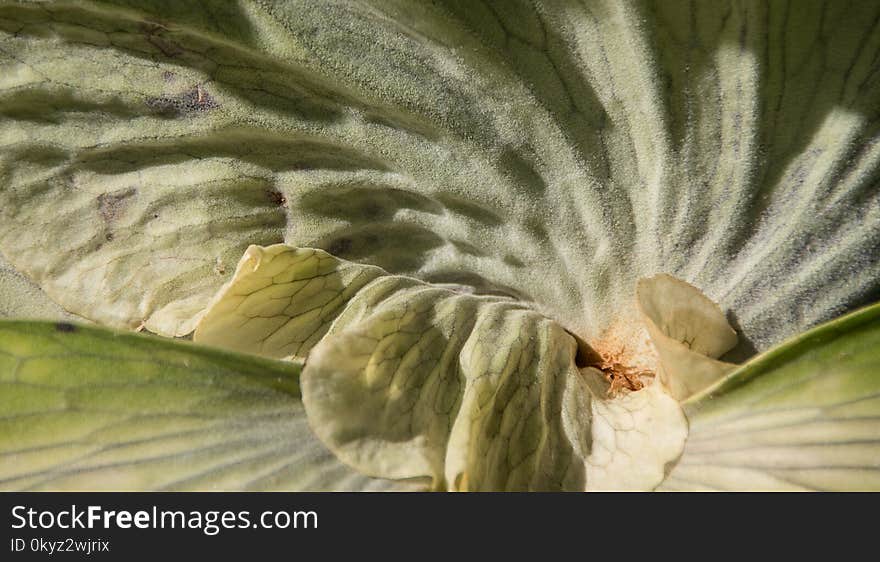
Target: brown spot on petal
point(276, 197)
point(112, 205)
point(194, 100)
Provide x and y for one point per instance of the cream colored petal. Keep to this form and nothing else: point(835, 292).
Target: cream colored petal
point(412, 380)
point(635, 435)
point(280, 301)
point(688, 331)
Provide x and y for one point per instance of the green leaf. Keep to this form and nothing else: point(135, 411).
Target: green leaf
point(89, 409)
point(555, 152)
point(804, 416)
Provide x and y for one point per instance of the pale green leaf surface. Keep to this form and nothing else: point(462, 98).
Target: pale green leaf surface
point(803, 416)
point(551, 151)
point(87, 409)
point(20, 298)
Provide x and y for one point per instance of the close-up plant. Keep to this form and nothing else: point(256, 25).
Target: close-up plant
point(447, 245)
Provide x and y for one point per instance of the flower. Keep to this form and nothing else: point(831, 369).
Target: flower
point(511, 196)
